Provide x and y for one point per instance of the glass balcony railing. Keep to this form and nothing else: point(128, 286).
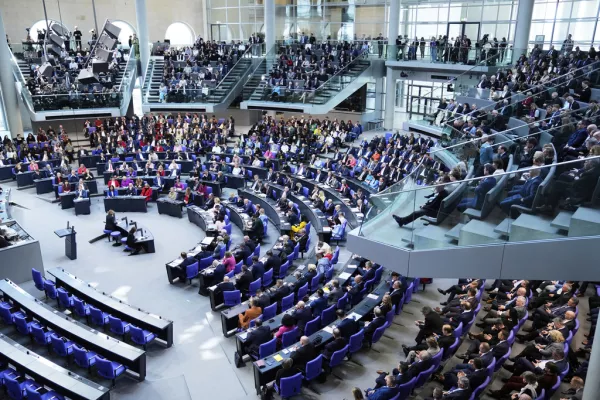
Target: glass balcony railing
point(488, 207)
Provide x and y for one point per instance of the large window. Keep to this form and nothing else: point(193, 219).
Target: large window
point(180, 34)
point(235, 19)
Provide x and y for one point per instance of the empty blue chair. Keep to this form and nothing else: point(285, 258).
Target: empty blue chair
point(267, 278)
point(302, 291)
point(254, 286)
point(314, 368)
point(283, 270)
point(314, 283)
point(423, 377)
point(238, 267)
point(117, 326)
point(437, 359)
point(40, 334)
point(22, 325)
point(34, 394)
point(140, 336)
point(291, 386)
point(337, 358)
point(378, 274)
point(191, 271)
point(287, 302)
point(80, 307)
point(98, 317)
point(62, 347)
point(257, 250)
point(38, 279)
point(291, 257)
point(408, 294)
point(305, 191)
point(8, 313)
point(289, 338)
point(227, 228)
point(109, 369)
point(232, 298)
point(342, 303)
point(84, 358)
point(328, 315)
point(65, 300)
point(207, 262)
point(336, 255)
point(230, 274)
point(50, 290)
point(378, 334)
point(266, 349)
point(329, 274)
point(16, 389)
point(501, 361)
point(312, 326)
point(270, 312)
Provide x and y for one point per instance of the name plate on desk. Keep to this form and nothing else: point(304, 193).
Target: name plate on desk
point(344, 276)
point(326, 229)
point(355, 316)
point(175, 263)
point(373, 296)
point(351, 267)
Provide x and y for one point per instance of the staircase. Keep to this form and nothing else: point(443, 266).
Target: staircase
point(254, 82)
point(331, 93)
point(153, 79)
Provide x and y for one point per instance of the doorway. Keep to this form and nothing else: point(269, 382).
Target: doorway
point(471, 29)
point(423, 99)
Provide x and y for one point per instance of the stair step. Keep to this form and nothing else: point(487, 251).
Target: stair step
point(562, 220)
point(585, 222)
point(503, 227)
point(454, 233)
point(533, 227)
point(432, 237)
point(477, 232)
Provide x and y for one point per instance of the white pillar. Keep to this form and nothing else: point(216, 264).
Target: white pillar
point(142, 32)
point(390, 97)
point(523, 25)
point(269, 24)
point(592, 382)
point(394, 21)
point(9, 90)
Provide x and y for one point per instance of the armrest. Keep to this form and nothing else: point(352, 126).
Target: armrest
point(117, 367)
point(149, 334)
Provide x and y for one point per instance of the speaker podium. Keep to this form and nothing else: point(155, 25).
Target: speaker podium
point(70, 241)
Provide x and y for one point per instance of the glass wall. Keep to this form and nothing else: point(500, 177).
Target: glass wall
point(235, 19)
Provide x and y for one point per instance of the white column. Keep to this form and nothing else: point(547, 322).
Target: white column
point(523, 25)
point(9, 90)
point(394, 21)
point(390, 97)
point(592, 382)
point(142, 33)
point(269, 24)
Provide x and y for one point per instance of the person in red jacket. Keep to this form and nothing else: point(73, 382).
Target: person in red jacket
point(81, 170)
point(147, 191)
point(113, 182)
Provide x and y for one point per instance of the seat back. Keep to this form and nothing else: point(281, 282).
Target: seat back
point(283, 270)
point(257, 250)
point(289, 338)
point(266, 349)
point(424, 376)
point(314, 368)
point(13, 387)
point(38, 279)
point(5, 313)
point(290, 386)
point(452, 349)
point(541, 395)
point(338, 356)
point(405, 389)
point(490, 368)
point(479, 389)
point(50, 289)
point(501, 361)
point(355, 342)
point(458, 331)
point(328, 315)
point(389, 317)
point(33, 394)
point(287, 302)
point(409, 292)
point(342, 303)
point(302, 291)
point(270, 311)
point(207, 262)
point(267, 278)
point(232, 298)
point(63, 298)
point(38, 334)
point(137, 334)
point(116, 325)
point(104, 368)
point(254, 286)
point(379, 333)
point(80, 307)
point(336, 255)
point(80, 356)
point(312, 326)
point(58, 345)
point(314, 283)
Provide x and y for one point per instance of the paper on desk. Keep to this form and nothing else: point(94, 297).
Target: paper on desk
point(207, 240)
point(277, 357)
point(373, 296)
point(344, 275)
point(326, 229)
point(175, 262)
point(354, 316)
point(325, 289)
point(328, 329)
point(352, 266)
point(285, 351)
point(243, 335)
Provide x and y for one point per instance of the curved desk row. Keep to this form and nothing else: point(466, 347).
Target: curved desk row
point(314, 215)
point(6, 171)
point(325, 335)
point(186, 165)
point(163, 328)
point(46, 373)
point(133, 358)
point(47, 185)
point(260, 171)
point(353, 183)
point(277, 217)
point(245, 158)
point(343, 276)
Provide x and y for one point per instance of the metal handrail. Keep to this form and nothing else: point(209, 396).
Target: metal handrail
point(236, 64)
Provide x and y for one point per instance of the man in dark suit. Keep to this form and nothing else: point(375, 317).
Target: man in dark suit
point(396, 293)
point(444, 341)
point(385, 392)
point(225, 286)
point(461, 392)
point(484, 186)
point(336, 344)
point(257, 230)
point(543, 315)
point(522, 364)
point(303, 354)
point(273, 263)
point(243, 282)
point(180, 270)
point(357, 286)
point(485, 351)
point(465, 317)
point(422, 362)
point(335, 292)
point(522, 195)
point(431, 208)
point(377, 322)
point(347, 326)
point(281, 290)
point(368, 272)
point(476, 377)
point(302, 315)
point(256, 337)
point(319, 304)
point(258, 268)
point(263, 300)
point(430, 325)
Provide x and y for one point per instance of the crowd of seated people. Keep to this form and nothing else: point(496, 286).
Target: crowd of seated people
point(303, 68)
point(190, 71)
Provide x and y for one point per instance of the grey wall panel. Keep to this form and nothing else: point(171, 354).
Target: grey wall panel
point(570, 259)
point(16, 261)
point(460, 262)
point(386, 255)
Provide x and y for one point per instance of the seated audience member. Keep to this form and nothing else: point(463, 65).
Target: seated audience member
point(252, 313)
point(430, 209)
point(303, 354)
point(256, 337)
point(485, 185)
